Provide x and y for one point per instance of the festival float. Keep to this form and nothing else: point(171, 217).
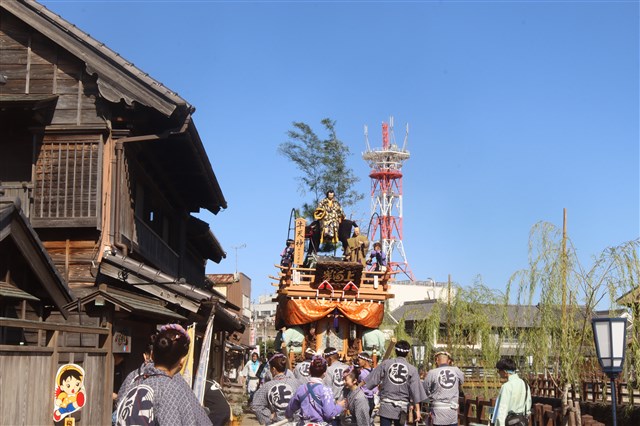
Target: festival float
point(330, 301)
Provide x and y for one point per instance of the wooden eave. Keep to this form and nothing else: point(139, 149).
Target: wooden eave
point(117, 78)
point(127, 301)
point(155, 282)
point(217, 201)
point(180, 160)
point(11, 292)
point(630, 298)
point(200, 236)
point(15, 225)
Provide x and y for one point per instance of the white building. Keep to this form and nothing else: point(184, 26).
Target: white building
point(411, 291)
point(263, 319)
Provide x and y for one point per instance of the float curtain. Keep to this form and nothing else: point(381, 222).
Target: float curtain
point(304, 311)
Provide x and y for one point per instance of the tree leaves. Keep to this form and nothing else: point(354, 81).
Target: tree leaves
point(322, 163)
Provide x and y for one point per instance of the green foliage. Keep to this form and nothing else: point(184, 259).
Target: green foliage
point(400, 331)
point(478, 321)
point(322, 163)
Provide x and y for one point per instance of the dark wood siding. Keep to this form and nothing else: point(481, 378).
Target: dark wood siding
point(35, 65)
point(72, 257)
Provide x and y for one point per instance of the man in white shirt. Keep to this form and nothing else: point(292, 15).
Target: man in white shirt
point(514, 394)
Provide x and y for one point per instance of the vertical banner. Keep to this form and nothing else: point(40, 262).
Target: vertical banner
point(298, 253)
point(200, 382)
point(187, 368)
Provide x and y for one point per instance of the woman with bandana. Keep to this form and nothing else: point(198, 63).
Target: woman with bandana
point(301, 372)
point(250, 374)
point(356, 400)
point(315, 400)
point(365, 361)
point(159, 394)
point(272, 399)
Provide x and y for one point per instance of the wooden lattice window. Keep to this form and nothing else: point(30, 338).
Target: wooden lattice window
point(67, 180)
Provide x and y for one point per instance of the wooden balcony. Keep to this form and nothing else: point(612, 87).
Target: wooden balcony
point(155, 249)
point(298, 282)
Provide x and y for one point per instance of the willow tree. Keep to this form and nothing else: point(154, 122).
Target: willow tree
point(465, 324)
point(568, 294)
point(322, 162)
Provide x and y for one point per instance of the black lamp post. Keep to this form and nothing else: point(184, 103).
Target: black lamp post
point(610, 335)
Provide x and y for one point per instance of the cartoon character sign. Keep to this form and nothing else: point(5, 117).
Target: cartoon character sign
point(70, 393)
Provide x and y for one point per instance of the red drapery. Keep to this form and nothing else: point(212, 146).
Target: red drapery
point(304, 311)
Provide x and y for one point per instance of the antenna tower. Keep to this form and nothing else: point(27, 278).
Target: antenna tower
point(386, 196)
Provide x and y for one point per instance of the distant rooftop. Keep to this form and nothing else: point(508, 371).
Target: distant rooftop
point(427, 283)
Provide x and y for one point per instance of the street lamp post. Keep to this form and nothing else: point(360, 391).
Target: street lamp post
point(418, 353)
point(610, 335)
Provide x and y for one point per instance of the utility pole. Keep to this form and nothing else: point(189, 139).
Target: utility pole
point(449, 313)
point(241, 246)
point(563, 265)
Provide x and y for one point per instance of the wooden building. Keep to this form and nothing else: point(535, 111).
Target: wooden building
point(101, 167)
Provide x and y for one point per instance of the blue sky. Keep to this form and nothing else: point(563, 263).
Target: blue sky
point(516, 111)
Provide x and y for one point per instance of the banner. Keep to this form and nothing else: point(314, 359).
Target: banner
point(187, 368)
point(200, 382)
point(298, 252)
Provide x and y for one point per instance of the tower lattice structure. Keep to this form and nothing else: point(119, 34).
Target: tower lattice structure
point(386, 196)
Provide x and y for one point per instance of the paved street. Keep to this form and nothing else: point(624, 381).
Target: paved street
point(249, 420)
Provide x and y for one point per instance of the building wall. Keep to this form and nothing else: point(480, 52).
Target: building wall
point(404, 292)
point(239, 293)
point(35, 65)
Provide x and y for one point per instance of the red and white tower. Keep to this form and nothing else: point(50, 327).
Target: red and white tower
point(386, 196)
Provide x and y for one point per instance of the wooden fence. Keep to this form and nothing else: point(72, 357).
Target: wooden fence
point(477, 411)
point(593, 392)
point(595, 388)
point(27, 373)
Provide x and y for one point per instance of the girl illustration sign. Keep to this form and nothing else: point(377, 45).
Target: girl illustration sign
point(70, 393)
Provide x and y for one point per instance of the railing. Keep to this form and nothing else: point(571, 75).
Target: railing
point(477, 411)
point(155, 249)
point(595, 388)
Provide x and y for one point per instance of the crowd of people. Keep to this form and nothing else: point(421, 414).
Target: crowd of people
point(320, 390)
point(323, 390)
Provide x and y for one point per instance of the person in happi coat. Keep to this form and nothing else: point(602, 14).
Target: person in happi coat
point(250, 374)
point(364, 361)
point(172, 400)
point(301, 372)
point(286, 258)
point(334, 378)
point(442, 386)
point(379, 256)
point(266, 376)
point(356, 400)
point(272, 399)
point(399, 387)
point(514, 394)
point(314, 400)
